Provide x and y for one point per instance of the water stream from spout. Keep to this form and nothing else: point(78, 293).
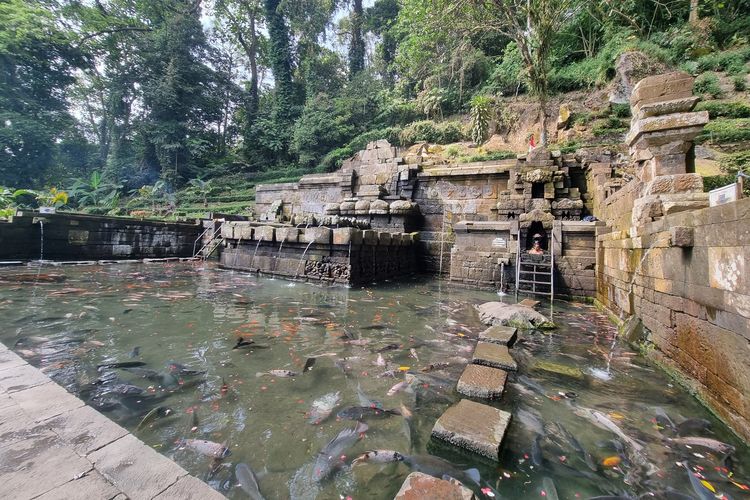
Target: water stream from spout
point(236, 252)
point(255, 252)
point(41, 257)
point(276, 261)
point(299, 264)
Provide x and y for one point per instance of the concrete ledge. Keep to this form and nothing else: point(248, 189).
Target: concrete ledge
point(484, 382)
point(503, 335)
point(494, 355)
point(54, 446)
point(473, 426)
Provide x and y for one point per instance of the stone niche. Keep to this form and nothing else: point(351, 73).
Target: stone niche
point(661, 146)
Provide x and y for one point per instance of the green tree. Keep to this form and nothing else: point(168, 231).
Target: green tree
point(37, 61)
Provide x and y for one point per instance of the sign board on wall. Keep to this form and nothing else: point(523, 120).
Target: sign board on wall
point(726, 194)
point(499, 243)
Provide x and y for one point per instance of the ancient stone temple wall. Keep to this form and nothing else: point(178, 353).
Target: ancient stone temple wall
point(76, 237)
point(687, 277)
point(675, 266)
point(344, 256)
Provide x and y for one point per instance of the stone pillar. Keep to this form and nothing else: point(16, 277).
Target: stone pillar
point(661, 144)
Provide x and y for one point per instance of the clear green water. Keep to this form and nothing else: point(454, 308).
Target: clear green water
point(76, 318)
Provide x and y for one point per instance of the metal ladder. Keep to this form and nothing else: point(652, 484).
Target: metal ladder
point(535, 275)
point(205, 251)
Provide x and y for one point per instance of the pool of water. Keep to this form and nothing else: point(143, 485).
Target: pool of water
point(591, 417)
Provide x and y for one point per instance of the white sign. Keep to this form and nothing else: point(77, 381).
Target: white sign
point(499, 243)
point(726, 194)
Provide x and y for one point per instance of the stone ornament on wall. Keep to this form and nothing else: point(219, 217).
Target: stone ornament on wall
point(661, 145)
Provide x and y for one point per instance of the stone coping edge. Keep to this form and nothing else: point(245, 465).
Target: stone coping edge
point(100, 446)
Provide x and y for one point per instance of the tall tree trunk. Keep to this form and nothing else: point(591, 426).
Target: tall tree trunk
point(543, 119)
point(281, 60)
point(357, 47)
point(694, 17)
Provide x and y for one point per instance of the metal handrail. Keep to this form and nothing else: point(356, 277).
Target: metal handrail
point(552, 270)
point(213, 238)
point(195, 243)
point(518, 263)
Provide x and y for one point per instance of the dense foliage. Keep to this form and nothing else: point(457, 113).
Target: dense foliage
point(125, 97)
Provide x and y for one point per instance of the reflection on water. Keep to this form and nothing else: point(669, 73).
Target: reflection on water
point(590, 416)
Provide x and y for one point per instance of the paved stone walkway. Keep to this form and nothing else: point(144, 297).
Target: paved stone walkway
point(53, 446)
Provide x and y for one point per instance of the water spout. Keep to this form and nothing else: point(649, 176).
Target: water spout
point(276, 261)
point(236, 251)
point(501, 292)
point(255, 252)
point(299, 264)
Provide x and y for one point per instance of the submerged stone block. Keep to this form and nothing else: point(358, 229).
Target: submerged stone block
point(478, 381)
point(494, 355)
point(473, 426)
point(384, 239)
point(321, 235)
point(503, 335)
point(419, 486)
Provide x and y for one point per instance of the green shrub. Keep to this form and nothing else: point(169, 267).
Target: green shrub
point(717, 181)
point(621, 110)
point(734, 162)
point(708, 84)
point(452, 151)
point(724, 130)
point(582, 118)
point(481, 108)
point(725, 109)
point(731, 61)
point(740, 83)
point(429, 131)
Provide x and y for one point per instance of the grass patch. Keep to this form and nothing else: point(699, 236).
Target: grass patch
point(707, 84)
point(490, 156)
point(725, 130)
point(725, 109)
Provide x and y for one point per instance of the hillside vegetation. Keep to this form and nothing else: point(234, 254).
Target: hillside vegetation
point(176, 107)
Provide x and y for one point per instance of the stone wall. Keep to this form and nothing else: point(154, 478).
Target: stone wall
point(484, 256)
point(687, 277)
point(344, 256)
point(90, 237)
point(447, 195)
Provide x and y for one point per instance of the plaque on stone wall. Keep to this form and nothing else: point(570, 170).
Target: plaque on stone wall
point(726, 194)
point(499, 243)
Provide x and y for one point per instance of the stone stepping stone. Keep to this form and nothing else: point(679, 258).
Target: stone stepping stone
point(419, 486)
point(494, 355)
point(473, 426)
point(484, 382)
point(503, 335)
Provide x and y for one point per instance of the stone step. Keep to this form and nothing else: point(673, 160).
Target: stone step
point(484, 382)
point(419, 486)
point(473, 426)
point(503, 335)
point(494, 355)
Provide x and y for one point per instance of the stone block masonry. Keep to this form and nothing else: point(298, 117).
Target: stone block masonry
point(54, 446)
point(343, 256)
point(687, 277)
point(71, 237)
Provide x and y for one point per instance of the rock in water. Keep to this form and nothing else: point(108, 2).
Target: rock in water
point(499, 314)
